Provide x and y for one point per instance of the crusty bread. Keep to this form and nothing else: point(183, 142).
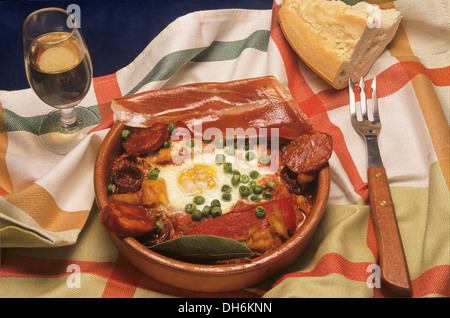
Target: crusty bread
point(335, 40)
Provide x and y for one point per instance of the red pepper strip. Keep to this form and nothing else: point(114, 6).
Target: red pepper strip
point(235, 224)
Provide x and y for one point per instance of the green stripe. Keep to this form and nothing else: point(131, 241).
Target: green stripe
point(222, 51)
point(215, 52)
point(166, 67)
point(14, 122)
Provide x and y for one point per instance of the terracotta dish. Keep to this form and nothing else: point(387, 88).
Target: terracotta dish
point(200, 277)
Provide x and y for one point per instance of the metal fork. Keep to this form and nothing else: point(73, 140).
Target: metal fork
point(393, 267)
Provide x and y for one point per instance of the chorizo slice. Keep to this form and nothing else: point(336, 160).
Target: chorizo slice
point(123, 219)
point(145, 140)
point(308, 152)
point(128, 179)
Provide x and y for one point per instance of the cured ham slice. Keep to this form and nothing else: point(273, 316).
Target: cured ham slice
point(249, 103)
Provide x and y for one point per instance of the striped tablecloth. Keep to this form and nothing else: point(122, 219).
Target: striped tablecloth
point(52, 244)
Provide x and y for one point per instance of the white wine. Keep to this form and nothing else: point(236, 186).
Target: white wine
point(60, 72)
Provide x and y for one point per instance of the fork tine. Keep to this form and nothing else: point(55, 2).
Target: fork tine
point(376, 115)
point(362, 85)
point(351, 87)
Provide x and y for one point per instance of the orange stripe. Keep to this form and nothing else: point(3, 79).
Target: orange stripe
point(333, 263)
point(3, 191)
point(432, 111)
point(314, 108)
point(389, 81)
point(41, 206)
point(5, 180)
point(435, 281)
point(123, 280)
point(106, 89)
point(18, 266)
point(106, 123)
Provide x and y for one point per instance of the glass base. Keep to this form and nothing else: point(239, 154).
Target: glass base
point(61, 138)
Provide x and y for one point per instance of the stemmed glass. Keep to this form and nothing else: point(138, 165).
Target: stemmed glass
point(59, 70)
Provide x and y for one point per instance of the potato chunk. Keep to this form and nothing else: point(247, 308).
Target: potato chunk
point(154, 192)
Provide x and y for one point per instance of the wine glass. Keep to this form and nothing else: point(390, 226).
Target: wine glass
point(59, 70)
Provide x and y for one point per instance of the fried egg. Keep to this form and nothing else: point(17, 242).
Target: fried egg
point(207, 172)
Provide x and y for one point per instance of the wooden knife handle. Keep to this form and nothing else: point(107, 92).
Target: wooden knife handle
point(392, 261)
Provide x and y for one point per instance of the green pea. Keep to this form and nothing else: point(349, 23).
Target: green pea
point(199, 200)
point(283, 149)
point(244, 178)
point(158, 226)
point(244, 190)
point(153, 174)
point(215, 202)
point(255, 198)
point(220, 143)
point(216, 211)
point(226, 197)
point(206, 209)
point(254, 174)
point(235, 179)
point(267, 195)
point(167, 144)
point(260, 212)
point(230, 151)
point(110, 188)
point(227, 167)
point(197, 215)
point(257, 189)
point(171, 128)
point(125, 133)
point(234, 171)
point(264, 159)
point(190, 144)
point(226, 188)
point(270, 186)
point(250, 155)
point(220, 158)
point(189, 208)
point(252, 184)
point(206, 141)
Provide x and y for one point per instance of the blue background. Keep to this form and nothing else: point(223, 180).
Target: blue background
point(115, 31)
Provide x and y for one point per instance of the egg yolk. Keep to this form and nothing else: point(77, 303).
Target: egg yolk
point(196, 179)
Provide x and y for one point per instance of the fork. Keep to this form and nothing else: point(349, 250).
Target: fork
point(393, 267)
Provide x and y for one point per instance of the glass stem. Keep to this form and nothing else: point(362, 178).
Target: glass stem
point(68, 118)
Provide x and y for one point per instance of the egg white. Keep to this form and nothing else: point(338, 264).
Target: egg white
point(179, 198)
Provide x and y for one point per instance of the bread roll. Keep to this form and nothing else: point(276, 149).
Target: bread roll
point(335, 40)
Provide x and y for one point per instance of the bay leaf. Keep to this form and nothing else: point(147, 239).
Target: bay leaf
point(202, 248)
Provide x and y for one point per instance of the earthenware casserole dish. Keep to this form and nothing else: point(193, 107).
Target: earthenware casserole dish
point(200, 277)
